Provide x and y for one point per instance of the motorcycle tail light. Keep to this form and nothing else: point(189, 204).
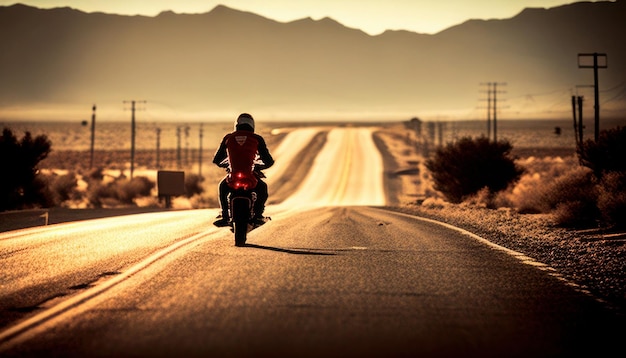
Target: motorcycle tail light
point(241, 181)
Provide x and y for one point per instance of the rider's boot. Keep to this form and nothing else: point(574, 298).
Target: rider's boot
point(222, 220)
point(258, 219)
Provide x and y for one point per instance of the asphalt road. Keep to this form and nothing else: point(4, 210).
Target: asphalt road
point(330, 275)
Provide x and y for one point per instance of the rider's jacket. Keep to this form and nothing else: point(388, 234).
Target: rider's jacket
point(238, 151)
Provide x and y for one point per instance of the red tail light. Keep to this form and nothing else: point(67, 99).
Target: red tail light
point(240, 180)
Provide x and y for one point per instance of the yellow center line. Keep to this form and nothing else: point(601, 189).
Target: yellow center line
point(345, 171)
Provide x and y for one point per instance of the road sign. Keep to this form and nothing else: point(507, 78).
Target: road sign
point(170, 183)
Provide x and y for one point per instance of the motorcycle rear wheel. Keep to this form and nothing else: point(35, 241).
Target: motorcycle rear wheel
point(241, 230)
point(241, 214)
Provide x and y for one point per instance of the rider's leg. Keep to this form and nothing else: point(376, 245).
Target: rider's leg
point(224, 189)
point(223, 195)
point(261, 198)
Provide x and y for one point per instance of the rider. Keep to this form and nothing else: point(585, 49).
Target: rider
point(238, 152)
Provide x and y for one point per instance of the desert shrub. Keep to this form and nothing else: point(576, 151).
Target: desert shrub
point(528, 195)
point(20, 184)
point(128, 190)
point(95, 174)
point(121, 191)
point(483, 198)
point(37, 194)
point(569, 195)
point(605, 155)
point(612, 198)
point(63, 188)
point(204, 201)
point(605, 158)
point(572, 198)
point(97, 193)
point(193, 185)
point(463, 168)
point(525, 196)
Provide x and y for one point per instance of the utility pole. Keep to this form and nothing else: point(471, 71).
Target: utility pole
point(186, 145)
point(178, 153)
point(132, 135)
point(488, 84)
point(492, 107)
point(93, 133)
point(488, 110)
point(577, 111)
point(158, 148)
point(580, 119)
point(599, 61)
point(200, 154)
point(495, 104)
point(577, 107)
point(575, 119)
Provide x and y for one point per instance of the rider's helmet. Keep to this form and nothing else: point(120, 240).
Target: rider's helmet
point(244, 122)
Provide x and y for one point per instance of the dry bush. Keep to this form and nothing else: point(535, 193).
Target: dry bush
point(463, 168)
point(21, 186)
point(607, 153)
point(97, 194)
point(101, 189)
point(119, 192)
point(128, 190)
point(484, 198)
point(204, 201)
point(63, 188)
point(529, 194)
point(570, 197)
point(577, 196)
point(95, 174)
point(563, 188)
point(612, 198)
point(193, 185)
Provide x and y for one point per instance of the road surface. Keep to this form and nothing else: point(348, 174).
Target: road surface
point(332, 274)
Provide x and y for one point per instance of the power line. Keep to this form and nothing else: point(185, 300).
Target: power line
point(620, 94)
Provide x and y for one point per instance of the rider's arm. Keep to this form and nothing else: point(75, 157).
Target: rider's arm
point(264, 155)
point(220, 156)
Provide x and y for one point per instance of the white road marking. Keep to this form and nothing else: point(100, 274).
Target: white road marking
point(49, 317)
point(348, 171)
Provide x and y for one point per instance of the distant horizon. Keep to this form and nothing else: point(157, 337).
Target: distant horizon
point(156, 112)
point(373, 17)
point(142, 117)
point(115, 135)
point(124, 116)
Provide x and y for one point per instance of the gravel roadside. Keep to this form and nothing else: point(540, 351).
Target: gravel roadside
point(592, 259)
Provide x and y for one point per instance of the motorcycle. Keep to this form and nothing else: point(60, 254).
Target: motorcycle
point(241, 201)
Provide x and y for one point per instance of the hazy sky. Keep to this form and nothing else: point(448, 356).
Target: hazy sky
point(371, 16)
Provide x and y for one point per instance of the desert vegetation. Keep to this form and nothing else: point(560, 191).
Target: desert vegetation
point(465, 167)
point(20, 184)
point(582, 191)
point(585, 189)
point(99, 188)
point(42, 178)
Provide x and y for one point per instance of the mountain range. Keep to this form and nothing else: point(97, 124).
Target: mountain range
point(57, 63)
